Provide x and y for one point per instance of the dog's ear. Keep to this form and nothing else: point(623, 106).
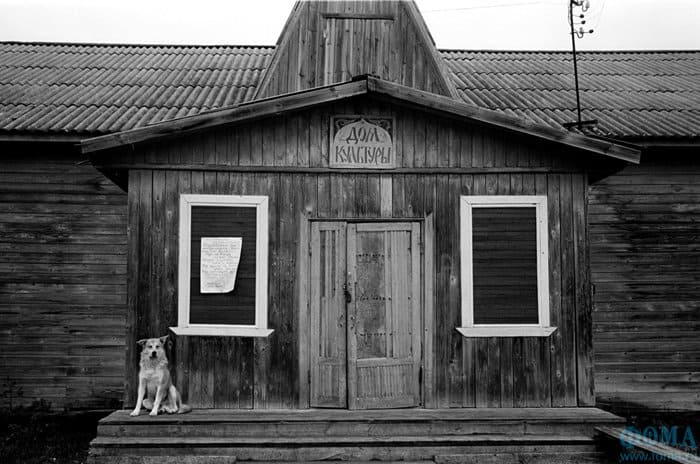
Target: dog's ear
point(164, 339)
point(142, 342)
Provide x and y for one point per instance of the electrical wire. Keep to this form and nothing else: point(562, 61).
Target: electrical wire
point(502, 5)
point(598, 15)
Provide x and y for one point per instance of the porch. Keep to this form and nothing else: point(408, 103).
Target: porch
point(558, 435)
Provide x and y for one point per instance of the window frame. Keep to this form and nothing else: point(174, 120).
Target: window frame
point(184, 327)
point(469, 329)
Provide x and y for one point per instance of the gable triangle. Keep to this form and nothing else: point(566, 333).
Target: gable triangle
point(327, 42)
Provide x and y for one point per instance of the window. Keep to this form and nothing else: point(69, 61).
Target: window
point(229, 232)
point(505, 279)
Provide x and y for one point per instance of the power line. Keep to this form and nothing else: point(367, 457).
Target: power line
point(482, 7)
point(598, 15)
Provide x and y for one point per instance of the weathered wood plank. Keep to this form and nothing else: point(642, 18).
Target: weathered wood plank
point(456, 383)
point(264, 376)
point(286, 349)
point(583, 320)
point(429, 361)
point(639, 253)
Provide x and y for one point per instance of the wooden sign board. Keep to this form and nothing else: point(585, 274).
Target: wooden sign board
point(363, 142)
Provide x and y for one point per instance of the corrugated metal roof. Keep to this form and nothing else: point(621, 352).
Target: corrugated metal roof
point(631, 94)
point(86, 90)
point(96, 89)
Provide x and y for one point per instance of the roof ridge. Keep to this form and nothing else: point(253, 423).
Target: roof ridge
point(583, 89)
point(271, 47)
point(134, 45)
point(601, 52)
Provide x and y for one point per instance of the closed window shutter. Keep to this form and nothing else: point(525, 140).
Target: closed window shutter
point(504, 251)
point(236, 307)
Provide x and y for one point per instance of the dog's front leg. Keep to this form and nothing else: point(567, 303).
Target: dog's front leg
point(139, 399)
point(160, 394)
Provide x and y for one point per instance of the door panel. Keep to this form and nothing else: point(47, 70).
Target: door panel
point(370, 290)
point(328, 376)
point(384, 316)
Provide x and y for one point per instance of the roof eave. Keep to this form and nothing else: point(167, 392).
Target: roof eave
point(34, 137)
point(364, 85)
point(422, 99)
point(244, 112)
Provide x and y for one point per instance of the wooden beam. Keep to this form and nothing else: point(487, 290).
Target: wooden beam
point(327, 170)
point(244, 112)
point(281, 43)
point(386, 17)
point(426, 100)
point(429, 394)
point(303, 266)
point(431, 51)
point(406, 96)
point(44, 137)
point(660, 450)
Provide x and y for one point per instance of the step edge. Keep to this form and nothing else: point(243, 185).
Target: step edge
point(324, 441)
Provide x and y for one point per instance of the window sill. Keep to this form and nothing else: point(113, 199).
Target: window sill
point(222, 331)
point(506, 331)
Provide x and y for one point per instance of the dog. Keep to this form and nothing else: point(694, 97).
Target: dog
point(156, 390)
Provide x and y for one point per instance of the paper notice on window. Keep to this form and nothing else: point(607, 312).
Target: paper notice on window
point(219, 263)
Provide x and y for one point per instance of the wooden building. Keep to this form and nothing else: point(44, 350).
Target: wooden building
point(281, 150)
point(62, 278)
point(397, 249)
point(400, 249)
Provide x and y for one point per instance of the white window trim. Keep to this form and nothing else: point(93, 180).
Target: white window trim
point(260, 203)
point(469, 329)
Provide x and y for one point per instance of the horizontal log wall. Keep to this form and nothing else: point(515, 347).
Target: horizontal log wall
point(62, 280)
point(645, 245)
point(262, 373)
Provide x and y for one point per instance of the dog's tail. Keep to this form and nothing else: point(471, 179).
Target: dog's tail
point(182, 408)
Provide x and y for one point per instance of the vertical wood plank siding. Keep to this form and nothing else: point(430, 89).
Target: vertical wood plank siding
point(318, 49)
point(262, 373)
point(62, 280)
point(645, 251)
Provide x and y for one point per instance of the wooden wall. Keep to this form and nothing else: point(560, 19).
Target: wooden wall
point(291, 154)
point(62, 279)
point(326, 42)
point(645, 251)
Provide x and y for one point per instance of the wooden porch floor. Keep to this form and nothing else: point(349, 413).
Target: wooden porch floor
point(400, 415)
point(464, 435)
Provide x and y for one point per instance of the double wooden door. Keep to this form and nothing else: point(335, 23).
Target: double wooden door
point(365, 325)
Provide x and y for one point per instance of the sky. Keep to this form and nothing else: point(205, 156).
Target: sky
point(456, 24)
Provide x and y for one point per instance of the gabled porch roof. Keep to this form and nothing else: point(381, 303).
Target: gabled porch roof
point(361, 85)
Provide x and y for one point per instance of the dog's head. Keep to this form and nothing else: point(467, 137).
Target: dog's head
point(153, 348)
